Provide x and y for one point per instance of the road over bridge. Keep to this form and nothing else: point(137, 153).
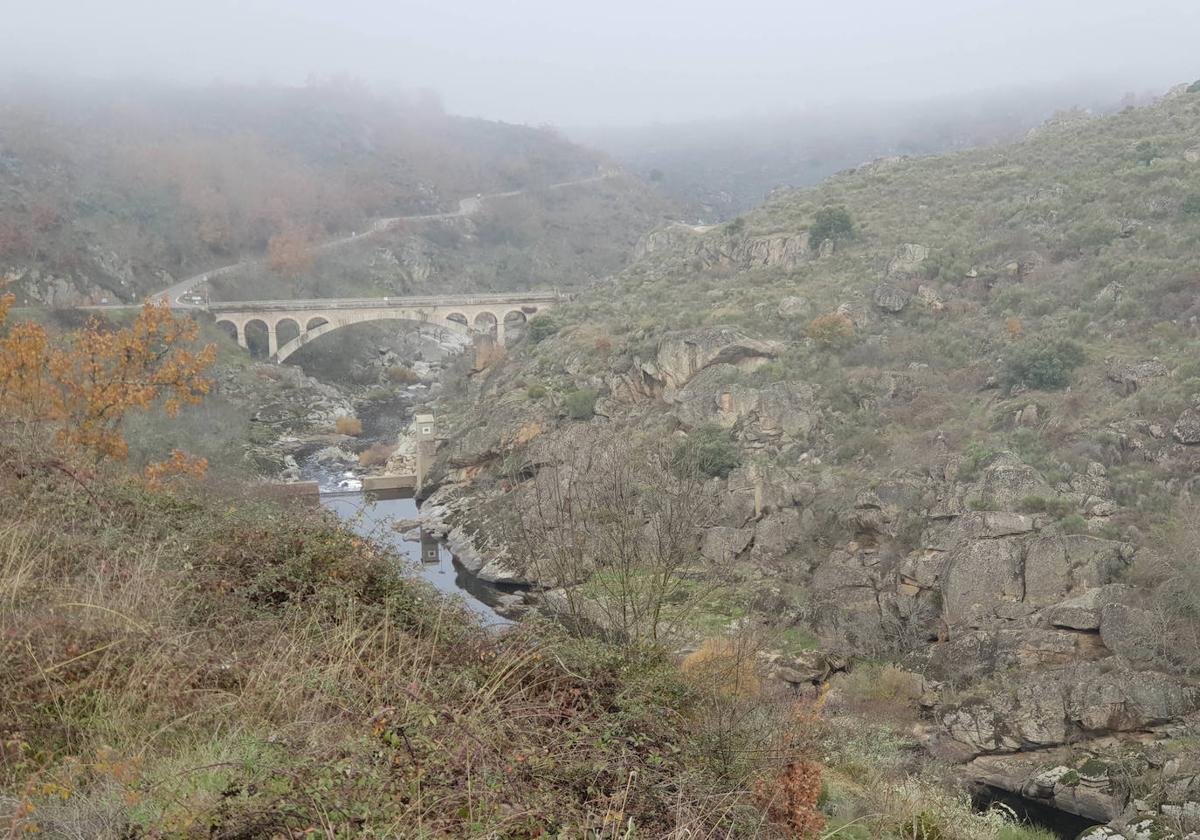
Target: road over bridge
point(305, 320)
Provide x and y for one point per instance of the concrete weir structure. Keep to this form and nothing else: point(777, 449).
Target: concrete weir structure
point(310, 319)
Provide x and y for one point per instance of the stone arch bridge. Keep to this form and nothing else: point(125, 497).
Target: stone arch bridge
point(305, 320)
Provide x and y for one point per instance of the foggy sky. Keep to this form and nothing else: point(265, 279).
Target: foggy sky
point(616, 61)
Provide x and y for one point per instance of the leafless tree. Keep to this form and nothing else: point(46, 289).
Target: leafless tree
point(612, 527)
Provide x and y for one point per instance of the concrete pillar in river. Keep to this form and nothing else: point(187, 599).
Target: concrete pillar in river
point(426, 427)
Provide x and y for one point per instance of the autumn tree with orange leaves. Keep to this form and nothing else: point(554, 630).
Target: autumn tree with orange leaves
point(73, 392)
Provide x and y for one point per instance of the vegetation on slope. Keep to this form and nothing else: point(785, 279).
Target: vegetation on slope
point(104, 194)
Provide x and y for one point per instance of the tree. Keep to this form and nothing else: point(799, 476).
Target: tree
point(830, 329)
point(708, 451)
point(830, 223)
point(81, 387)
point(612, 528)
point(541, 327)
point(1045, 364)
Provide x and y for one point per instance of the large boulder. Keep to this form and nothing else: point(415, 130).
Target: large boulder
point(890, 298)
point(1133, 375)
point(907, 261)
point(1082, 612)
point(1057, 566)
point(1187, 427)
point(1131, 632)
point(981, 577)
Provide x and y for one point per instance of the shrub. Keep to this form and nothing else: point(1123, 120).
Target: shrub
point(1194, 87)
point(830, 329)
point(535, 391)
point(401, 375)
point(706, 451)
point(1191, 205)
point(735, 227)
point(348, 426)
point(830, 223)
point(1146, 152)
point(376, 455)
point(1045, 365)
point(724, 666)
point(581, 404)
point(883, 684)
point(541, 327)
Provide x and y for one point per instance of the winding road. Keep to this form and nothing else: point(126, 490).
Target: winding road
point(466, 207)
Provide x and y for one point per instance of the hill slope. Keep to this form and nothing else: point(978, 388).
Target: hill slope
point(947, 408)
point(111, 194)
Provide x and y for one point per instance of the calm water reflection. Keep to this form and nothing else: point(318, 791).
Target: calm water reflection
point(373, 516)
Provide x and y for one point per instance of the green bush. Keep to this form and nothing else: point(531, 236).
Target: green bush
point(709, 451)
point(1045, 365)
point(581, 404)
point(1194, 87)
point(542, 327)
point(535, 392)
point(830, 223)
point(1191, 205)
point(1145, 152)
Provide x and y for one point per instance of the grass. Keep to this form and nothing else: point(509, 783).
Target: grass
point(182, 667)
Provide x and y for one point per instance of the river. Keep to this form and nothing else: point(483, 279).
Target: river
point(375, 515)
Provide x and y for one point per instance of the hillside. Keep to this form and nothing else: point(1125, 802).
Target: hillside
point(944, 415)
point(109, 194)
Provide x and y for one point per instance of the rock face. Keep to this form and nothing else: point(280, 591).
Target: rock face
point(890, 298)
point(681, 357)
point(769, 414)
point(715, 248)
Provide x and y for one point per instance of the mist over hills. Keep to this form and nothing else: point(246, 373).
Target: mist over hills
point(719, 168)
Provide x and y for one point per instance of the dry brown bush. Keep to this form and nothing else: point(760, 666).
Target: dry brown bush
point(349, 426)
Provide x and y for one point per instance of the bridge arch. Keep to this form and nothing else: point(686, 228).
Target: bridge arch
point(458, 318)
point(313, 323)
point(287, 349)
point(486, 322)
point(231, 329)
point(259, 338)
point(286, 329)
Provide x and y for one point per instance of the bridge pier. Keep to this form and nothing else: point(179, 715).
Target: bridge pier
point(272, 341)
point(241, 335)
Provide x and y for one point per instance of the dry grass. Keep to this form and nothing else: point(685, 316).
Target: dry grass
point(179, 668)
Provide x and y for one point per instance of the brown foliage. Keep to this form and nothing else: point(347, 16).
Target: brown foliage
point(349, 426)
point(83, 386)
point(376, 455)
point(790, 799)
point(830, 329)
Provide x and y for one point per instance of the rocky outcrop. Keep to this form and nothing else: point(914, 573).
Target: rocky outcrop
point(1187, 427)
point(890, 298)
point(680, 357)
point(1036, 710)
point(717, 248)
point(1133, 375)
point(759, 416)
point(906, 262)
